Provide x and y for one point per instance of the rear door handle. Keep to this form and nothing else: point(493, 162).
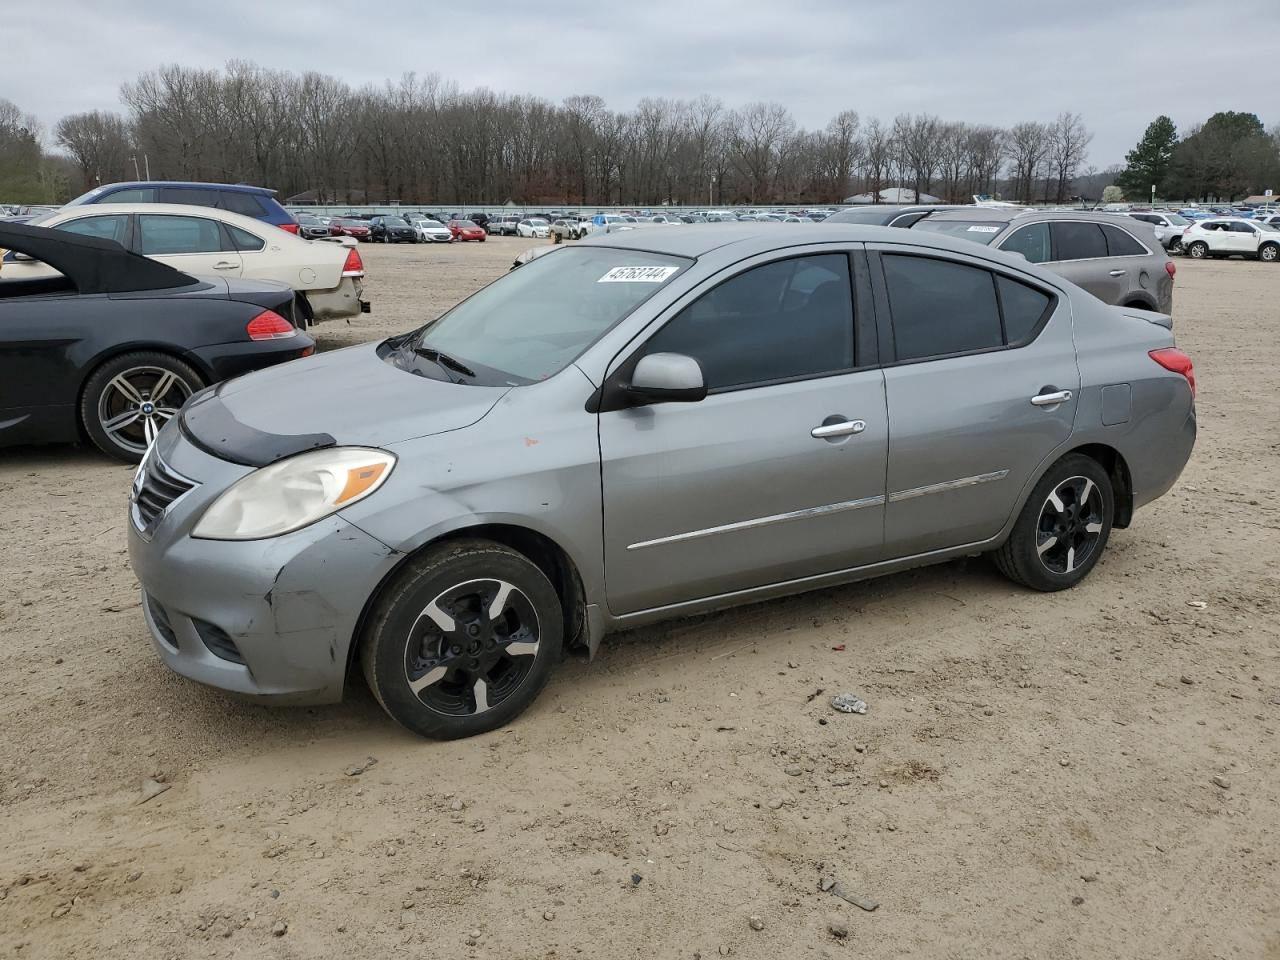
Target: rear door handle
point(224, 265)
point(1051, 399)
point(1118, 273)
point(841, 428)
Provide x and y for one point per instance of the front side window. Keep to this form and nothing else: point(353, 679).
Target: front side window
point(1075, 240)
point(114, 227)
point(1032, 241)
point(164, 235)
point(1241, 228)
point(535, 321)
point(779, 321)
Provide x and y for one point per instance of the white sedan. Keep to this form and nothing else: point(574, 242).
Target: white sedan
point(1232, 236)
point(432, 231)
point(533, 227)
point(328, 277)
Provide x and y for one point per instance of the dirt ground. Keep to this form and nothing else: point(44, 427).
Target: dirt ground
point(1035, 777)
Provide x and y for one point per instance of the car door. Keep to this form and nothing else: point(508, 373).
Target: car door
point(1243, 238)
point(40, 337)
point(192, 244)
point(1080, 255)
point(981, 385)
point(778, 473)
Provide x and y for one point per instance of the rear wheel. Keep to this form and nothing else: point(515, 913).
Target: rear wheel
point(1269, 253)
point(463, 640)
point(1063, 527)
point(1198, 250)
point(128, 399)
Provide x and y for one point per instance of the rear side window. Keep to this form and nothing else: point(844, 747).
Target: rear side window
point(243, 240)
point(192, 196)
point(167, 235)
point(1032, 241)
point(778, 321)
point(1121, 244)
point(109, 227)
point(1022, 308)
point(136, 195)
point(245, 204)
point(941, 308)
point(1073, 240)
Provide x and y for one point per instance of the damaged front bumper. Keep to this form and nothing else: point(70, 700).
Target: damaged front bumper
point(271, 619)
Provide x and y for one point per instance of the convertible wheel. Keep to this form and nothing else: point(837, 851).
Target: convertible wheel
point(1198, 250)
point(463, 640)
point(129, 398)
point(1063, 527)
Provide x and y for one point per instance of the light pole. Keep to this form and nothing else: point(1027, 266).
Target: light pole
point(711, 189)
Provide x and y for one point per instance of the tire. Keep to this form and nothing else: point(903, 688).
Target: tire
point(1269, 253)
point(1198, 250)
point(127, 384)
point(402, 645)
point(483, 239)
point(1043, 550)
point(1176, 246)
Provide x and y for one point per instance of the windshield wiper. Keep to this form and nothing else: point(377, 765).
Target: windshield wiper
point(435, 356)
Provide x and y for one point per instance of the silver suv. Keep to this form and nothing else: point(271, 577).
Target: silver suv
point(1168, 226)
point(1113, 256)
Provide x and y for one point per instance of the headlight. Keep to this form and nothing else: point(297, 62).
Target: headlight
point(295, 492)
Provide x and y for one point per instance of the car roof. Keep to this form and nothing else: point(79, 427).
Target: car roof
point(1010, 214)
point(252, 224)
point(190, 185)
point(93, 264)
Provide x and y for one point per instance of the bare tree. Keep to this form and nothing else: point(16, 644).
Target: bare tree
point(99, 142)
point(1068, 146)
point(1027, 146)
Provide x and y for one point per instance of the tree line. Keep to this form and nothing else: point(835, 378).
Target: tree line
point(1229, 156)
point(422, 139)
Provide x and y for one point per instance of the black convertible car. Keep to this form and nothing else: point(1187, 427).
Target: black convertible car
point(116, 343)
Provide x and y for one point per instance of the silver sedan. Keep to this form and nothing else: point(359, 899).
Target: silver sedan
point(646, 425)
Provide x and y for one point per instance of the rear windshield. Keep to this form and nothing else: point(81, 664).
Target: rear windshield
point(979, 231)
point(533, 322)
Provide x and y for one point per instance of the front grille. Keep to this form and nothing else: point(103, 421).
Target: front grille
point(161, 620)
point(159, 487)
point(217, 640)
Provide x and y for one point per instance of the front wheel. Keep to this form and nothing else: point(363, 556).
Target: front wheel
point(463, 640)
point(1198, 250)
point(1063, 527)
point(1176, 246)
point(1269, 253)
point(128, 399)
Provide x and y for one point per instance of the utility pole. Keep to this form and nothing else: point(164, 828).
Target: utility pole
point(146, 162)
point(711, 193)
point(137, 174)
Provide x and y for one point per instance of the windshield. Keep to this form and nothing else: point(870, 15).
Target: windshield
point(979, 232)
point(1263, 225)
point(538, 222)
point(1176, 220)
point(533, 322)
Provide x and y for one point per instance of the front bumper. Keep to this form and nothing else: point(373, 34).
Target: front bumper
point(271, 619)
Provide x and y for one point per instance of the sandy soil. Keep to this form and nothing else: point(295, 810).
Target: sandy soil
point(1035, 777)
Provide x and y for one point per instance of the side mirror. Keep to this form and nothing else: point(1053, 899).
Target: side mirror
point(667, 378)
point(22, 257)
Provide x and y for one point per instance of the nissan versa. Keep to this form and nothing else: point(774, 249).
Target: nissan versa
point(646, 425)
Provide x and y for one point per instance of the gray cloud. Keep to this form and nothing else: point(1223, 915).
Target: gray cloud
point(999, 61)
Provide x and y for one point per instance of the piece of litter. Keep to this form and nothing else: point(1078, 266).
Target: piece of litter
point(849, 703)
point(862, 903)
point(150, 790)
point(838, 648)
point(1197, 604)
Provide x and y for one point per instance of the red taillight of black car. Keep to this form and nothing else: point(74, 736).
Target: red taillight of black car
point(269, 325)
point(1175, 361)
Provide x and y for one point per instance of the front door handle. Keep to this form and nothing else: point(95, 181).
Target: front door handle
point(841, 428)
point(1051, 399)
point(1118, 273)
point(225, 265)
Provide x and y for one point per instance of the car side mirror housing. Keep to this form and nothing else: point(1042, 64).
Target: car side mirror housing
point(667, 378)
point(22, 257)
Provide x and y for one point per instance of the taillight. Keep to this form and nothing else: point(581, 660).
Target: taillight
point(354, 264)
point(1170, 268)
point(269, 325)
point(1186, 229)
point(1176, 361)
point(288, 227)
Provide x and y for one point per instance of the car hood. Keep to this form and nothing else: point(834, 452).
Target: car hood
point(340, 398)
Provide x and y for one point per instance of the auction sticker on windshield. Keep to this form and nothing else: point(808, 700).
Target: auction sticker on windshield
point(638, 274)
point(977, 229)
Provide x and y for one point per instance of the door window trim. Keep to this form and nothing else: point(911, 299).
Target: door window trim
point(883, 307)
point(611, 394)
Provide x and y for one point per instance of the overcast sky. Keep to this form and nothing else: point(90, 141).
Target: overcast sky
point(1119, 63)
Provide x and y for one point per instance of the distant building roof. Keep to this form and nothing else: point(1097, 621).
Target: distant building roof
point(894, 195)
